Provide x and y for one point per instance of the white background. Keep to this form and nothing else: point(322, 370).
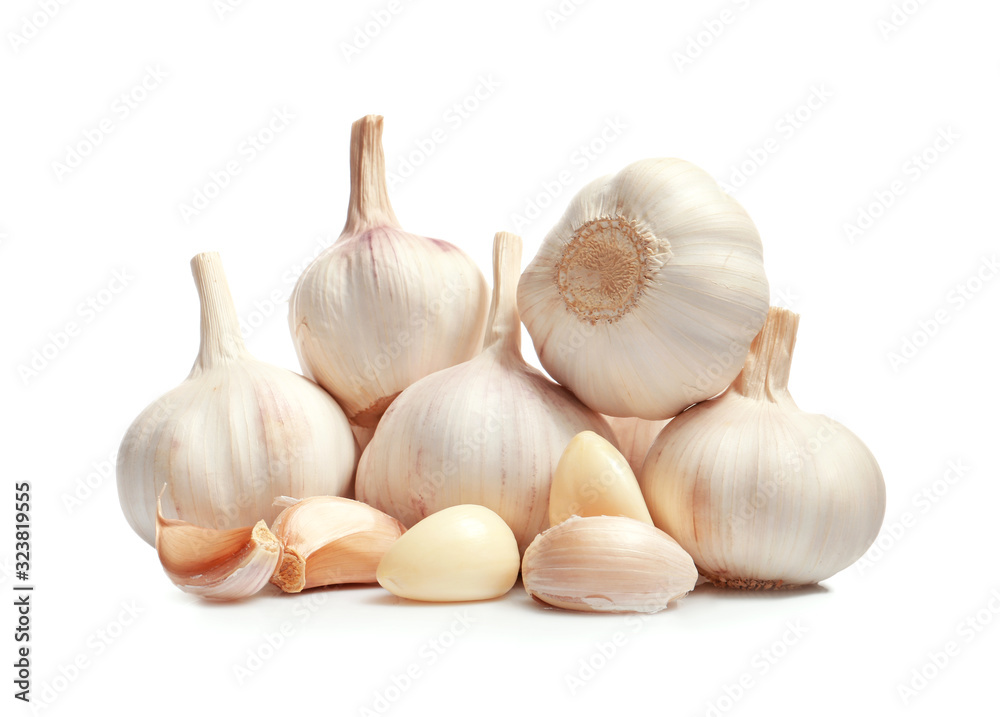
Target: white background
point(890, 82)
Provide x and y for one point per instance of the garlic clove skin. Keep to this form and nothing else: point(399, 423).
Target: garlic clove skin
point(382, 308)
point(654, 271)
point(634, 436)
point(466, 552)
point(593, 478)
point(762, 494)
point(330, 540)
point(234, 435)
point(607, 564)
point(216, 564)
point(489, 431)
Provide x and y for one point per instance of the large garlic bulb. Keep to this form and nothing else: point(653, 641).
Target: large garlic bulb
point(489, 431)
point(645, 296)
point(382, 308)
point(760, 493)
point(234, 436)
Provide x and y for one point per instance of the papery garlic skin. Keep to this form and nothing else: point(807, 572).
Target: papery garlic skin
point(762, 494)
point(654, 271)
point(634, 437)
point(234, 435)
point(593, 478)
point(216, 564)
point(489, 431)
point(607, 564)
point(465, 552)
point(382, 308)
point(329, 540)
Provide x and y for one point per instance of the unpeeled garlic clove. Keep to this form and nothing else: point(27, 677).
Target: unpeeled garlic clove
point(216, 564)
point(466, 552)
point(593, 478)
point(607, 564)
point(329, 540)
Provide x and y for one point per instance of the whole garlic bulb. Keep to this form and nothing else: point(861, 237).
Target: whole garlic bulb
point(760, 493)
point(655, 272)
point(489, 431)
point(382, 308)
point(236, 434)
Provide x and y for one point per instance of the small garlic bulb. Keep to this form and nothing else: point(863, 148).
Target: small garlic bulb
point(645, 296)
point(760, 493)
point(236, 434)
point(382, 308)
point(489, 431)
point(635, 436)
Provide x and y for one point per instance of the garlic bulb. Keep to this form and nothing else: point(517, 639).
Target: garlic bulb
point(216, 564)
point(634, 437)
point(382, 308)
point(329, 540)
point(489, 431)
point(607, 564)
point(234, 435)
point(762, 494)
point(593, 478)
point(656, 272)
point(465, 552)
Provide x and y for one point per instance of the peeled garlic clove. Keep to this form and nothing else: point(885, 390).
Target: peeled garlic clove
point(489, 431)
point(466, 552)
point(216, 564)
point(237, 433)
point(382, 308)
point(634, 437)
point(760, 493)
point(330, 541)
point(656, 272)
point(593, 478)
point(607, 564)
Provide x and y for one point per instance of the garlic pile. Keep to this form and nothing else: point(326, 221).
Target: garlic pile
point(654, 271)
point(489, 431)
point(382, 308)
point(760, 493)
point(647, 302)
point(235, 435)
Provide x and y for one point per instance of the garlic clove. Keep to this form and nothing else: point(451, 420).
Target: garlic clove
point(654, 271)
point(634, 437)
point(607, 564)
point(329, 540)
point(762, 494)
point(382, 307)
point(489, 431)
point(466, 552)
point(593, 478)
point(216, 564)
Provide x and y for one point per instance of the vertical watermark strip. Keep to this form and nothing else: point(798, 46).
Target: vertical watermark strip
point(22, 591)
